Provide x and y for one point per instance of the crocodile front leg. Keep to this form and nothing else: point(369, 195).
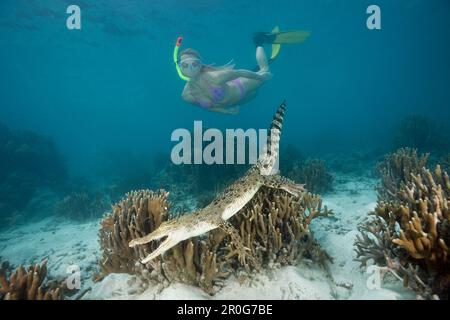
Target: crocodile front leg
point(236, 240)
point(280, 182)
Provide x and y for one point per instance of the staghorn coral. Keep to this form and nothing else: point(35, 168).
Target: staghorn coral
point(274, 226)
point(396, 168)
point(27, 284)
point(445, 162)
point(314, 174)
point(411, 235)
point(139, 213)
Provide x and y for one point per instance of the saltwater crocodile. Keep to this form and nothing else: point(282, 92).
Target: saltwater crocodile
point(229, 202)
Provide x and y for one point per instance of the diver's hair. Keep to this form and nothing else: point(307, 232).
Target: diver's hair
point(207, 67)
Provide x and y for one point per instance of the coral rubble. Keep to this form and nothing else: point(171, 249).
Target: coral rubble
point(410, 234)
point(27, 284)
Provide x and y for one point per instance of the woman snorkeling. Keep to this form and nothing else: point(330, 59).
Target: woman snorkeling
point(224, 89)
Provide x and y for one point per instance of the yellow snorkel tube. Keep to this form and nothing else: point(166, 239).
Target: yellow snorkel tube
point(175, 59)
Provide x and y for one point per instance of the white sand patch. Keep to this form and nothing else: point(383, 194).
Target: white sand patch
point(351, 200)
point(63, 243)
point(285, 283)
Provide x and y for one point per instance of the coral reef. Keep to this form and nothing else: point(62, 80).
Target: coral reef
point(422, 133)
point(137, 214)
point(27, 284)
point(396, 169)
point(274, 226)
point(313, 174)
point(82, 205)
point(410, 235)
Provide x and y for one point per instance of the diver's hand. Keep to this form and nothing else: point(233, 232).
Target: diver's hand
point(234, 110)
point(229, 110)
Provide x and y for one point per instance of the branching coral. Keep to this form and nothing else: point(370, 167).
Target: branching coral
point(27, 284)
point(445, 162)
point(411, 235)
point(139, 213)
point(396, 168)
point(424, 220)
point(274, 223)
point(314, 174)
point(274, 226)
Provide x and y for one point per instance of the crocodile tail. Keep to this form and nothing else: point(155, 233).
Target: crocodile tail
point(268, 161)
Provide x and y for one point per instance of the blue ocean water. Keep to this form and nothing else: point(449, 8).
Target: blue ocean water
point(112, 85)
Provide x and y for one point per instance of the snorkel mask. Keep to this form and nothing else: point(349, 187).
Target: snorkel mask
point(188, 67)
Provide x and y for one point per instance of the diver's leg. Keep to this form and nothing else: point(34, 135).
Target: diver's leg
point(261, 59)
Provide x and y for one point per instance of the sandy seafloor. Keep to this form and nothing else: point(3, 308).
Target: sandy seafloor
point(65, 243)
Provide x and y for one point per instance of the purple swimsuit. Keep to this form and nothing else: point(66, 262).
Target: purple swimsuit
point(218, 93)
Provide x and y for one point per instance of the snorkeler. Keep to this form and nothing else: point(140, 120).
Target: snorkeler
point(224, 89)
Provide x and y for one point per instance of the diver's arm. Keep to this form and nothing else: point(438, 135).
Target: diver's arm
point(222, 76)
point(187, 96)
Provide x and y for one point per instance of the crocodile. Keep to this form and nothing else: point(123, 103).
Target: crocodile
point(229, 202)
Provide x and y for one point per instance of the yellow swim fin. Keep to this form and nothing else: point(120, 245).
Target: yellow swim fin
point(275, 46)
point(294, 36)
